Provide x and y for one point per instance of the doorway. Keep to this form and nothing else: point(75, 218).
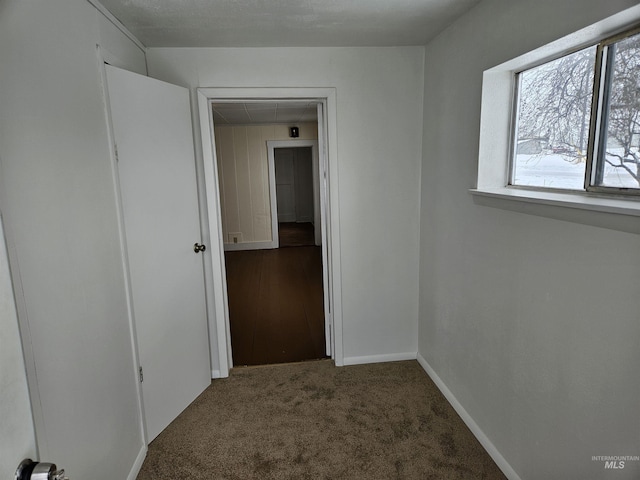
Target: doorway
point(294, 185)
point(295, 196)
point(274, 276)
point(325, 100)
point(276, 311)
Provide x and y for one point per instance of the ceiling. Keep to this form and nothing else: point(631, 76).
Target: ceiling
point(264, 113)
point(286, 23)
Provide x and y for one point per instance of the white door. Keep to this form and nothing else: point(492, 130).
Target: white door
point(285, 184)
point(17, 438)
point(325, 213)
point(154, 143)
point(303, 169)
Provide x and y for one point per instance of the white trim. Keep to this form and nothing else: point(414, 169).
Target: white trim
point(389, 357)
point(273, 197)
point(118, 24)
point(262, 124)
point(330, 208)
point(491, 449)
point(234, 247)
point(271, 146)
point(137, 465)
point(219, 324)
point(317, 190)
point(216, 374)
point(277, 95)
point(326, 96)
point(321, 170)
point(579, 200)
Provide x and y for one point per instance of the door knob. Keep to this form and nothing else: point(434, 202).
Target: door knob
point(199, 248)
point(30, 470)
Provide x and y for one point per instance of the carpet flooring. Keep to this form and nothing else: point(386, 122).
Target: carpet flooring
point(312, 420)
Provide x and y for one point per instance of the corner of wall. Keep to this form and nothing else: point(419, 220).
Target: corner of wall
point(486, 443)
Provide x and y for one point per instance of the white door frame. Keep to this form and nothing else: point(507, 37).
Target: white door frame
point(326, 98)
point(317, 218)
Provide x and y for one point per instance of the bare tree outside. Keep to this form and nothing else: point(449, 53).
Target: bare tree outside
point(554, 112)
point(556, 102)
point(553, 121)
point(622, 112)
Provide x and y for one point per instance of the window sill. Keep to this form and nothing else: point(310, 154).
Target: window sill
point(601, 211)
point(621, 206)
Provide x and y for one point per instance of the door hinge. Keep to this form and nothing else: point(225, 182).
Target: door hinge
point(141, 375)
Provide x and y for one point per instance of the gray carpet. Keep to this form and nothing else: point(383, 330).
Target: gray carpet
point(312, 420)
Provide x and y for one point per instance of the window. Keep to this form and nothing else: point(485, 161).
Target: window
point(577, 120)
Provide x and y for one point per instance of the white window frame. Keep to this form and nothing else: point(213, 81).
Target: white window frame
point(498, 120)
point(597, 109)
point(515, 120)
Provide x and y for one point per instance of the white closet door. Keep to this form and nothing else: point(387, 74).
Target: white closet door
point(152, 129)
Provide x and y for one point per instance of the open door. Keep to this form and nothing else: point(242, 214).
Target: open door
point(17, 436)
point(323, 205)
point(156, 171)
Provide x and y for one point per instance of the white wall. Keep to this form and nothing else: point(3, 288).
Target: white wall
point(379, 113)
point(243, 168)
point(530, 321)
point(58, 202)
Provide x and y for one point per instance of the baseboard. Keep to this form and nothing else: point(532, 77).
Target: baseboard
point(229, 247)
point(493, 452)
point(137, 465)
point(392, 357)
point(216, 374)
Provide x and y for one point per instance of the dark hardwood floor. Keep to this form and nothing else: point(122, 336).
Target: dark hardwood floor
point(295, 234)
point(275, 305)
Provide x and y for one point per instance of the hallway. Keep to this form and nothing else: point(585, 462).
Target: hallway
point(275, 305)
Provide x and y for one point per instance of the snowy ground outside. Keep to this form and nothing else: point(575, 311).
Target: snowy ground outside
point(561, 171)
